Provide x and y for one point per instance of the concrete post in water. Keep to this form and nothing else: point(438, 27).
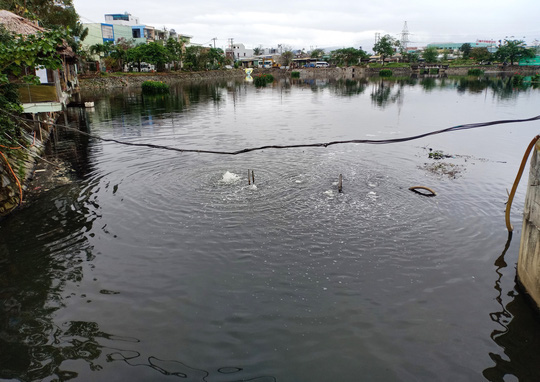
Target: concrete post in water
point(528, 270)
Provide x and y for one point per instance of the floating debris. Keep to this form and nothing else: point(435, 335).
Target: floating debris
point(438, 155)
point(450, 170)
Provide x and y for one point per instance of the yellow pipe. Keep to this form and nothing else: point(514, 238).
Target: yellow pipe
point(516, 182)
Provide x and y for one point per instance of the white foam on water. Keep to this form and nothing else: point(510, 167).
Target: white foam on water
point(253, 187)
point(230, 177)
point(329, 193)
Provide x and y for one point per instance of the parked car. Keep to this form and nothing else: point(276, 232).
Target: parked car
point(322, 64)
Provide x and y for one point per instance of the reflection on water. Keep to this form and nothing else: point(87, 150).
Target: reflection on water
point(153, 264)
point(519, 333)
point(38, 256)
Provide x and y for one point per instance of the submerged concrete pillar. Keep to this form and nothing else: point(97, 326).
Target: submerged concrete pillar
point(528, 269)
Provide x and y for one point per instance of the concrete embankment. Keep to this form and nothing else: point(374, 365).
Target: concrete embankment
point(128, 80)
point(366, 71)
point(528, 269)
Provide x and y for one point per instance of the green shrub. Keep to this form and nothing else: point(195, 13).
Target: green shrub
point(295, 74)
point(154, 87)
point(385, 73)
point(475, 72)
point(433, 71)
point(263, 79)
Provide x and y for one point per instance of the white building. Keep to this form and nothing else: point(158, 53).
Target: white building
point(121, 19)
point(238, 51)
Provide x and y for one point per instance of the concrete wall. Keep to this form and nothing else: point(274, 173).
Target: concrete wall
point(528, 269)
point(110, 82)
point(122, 31)
point(94, 35)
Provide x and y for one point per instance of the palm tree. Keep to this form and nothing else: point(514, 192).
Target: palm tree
point(100, 49)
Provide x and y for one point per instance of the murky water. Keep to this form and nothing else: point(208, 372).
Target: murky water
point(157, 265)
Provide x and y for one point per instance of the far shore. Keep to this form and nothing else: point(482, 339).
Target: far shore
point(120, 80)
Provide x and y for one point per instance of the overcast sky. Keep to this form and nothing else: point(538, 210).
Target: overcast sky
point(327, 23)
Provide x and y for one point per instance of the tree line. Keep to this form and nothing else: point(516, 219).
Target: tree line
point(509, 51)
point(124, 54)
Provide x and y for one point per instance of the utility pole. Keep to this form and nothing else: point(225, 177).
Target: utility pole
point(215, 38)
point(231, 50)
point(377, 37)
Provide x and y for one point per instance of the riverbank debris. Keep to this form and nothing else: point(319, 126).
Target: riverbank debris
point(340, 183)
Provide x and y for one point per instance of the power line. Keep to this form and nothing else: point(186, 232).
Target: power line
point(301, 145)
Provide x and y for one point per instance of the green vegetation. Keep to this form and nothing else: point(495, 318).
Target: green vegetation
point(317, 53)
point(194, 57)
point(466, 50)
point(438, 154)
point(347, 56)
point(390, 65)
point(480, 54)
point(386, 47)
point(430, 54)
point(475, 72)
point(154, 87)
point(461, 62)
point(295, 74)
point(263, 79)
point(433, 71)
point(412, 56)
point(513, 51)
point(385, 73)
point(50, 13)
point(17, 51)
point(287, 56)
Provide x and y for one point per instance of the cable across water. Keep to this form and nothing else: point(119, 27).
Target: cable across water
point(300, 145)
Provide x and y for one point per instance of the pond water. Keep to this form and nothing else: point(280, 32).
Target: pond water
point(156, 265)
